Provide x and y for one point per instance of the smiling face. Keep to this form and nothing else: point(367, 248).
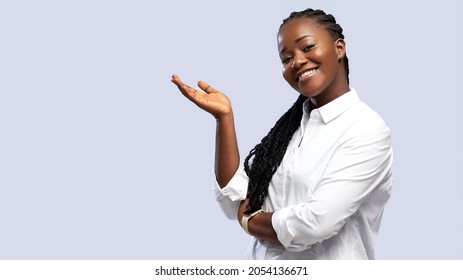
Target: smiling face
point(312, 60)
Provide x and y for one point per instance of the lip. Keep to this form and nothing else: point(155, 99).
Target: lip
point(305, 74)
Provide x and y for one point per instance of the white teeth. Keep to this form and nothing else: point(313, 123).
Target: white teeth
point(310, 72)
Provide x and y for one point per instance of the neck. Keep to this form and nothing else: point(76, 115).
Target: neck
point(330, 94)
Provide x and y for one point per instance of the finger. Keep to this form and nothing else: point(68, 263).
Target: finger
point(176, 80)
point(207, 88)
point(186, 90)
point(189, 92)
point(181, 85)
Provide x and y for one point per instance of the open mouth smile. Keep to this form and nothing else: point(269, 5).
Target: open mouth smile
point(306, 74)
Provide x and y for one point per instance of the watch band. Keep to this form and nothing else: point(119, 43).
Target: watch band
point(246, 217)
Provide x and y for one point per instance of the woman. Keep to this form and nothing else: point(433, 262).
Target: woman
point(316, 185)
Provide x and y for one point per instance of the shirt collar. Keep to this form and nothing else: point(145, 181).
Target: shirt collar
point(335, 108)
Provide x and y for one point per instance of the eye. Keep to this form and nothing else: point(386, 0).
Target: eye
point(308, 47)
point(285, 60)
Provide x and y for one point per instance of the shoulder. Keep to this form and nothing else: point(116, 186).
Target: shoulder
point(365, 124)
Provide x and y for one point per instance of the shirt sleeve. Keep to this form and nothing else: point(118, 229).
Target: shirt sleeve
point(357, 167)
point(230, 196)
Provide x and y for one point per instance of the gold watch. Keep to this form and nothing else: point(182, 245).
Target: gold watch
point(246, 217)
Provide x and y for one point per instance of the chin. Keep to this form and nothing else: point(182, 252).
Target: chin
point(309, 93)
point(311, 90)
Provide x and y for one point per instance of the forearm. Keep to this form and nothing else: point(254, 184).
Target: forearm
point(227, 157)
point(261, 227)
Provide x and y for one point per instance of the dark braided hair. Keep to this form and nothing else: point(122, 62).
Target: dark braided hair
point(268, 154)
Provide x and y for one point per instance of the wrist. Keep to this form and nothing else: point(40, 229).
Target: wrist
point(225, 117)
point(246, 217)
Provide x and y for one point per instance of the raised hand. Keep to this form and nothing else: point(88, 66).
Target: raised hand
point(208, 98)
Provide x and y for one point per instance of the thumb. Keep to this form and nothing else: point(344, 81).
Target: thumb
point(207, 88)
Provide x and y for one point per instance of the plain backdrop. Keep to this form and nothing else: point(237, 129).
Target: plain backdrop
point(102, 158)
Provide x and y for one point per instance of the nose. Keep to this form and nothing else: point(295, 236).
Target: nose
point(298, 61)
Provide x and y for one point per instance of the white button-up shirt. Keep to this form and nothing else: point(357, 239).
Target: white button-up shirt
point(329, 192)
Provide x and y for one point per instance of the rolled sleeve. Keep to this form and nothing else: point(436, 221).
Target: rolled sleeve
point(229, 197)
point(358, 168)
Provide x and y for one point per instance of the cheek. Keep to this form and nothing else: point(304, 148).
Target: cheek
point(287, 75)
point(290, 79)
point(330, 59)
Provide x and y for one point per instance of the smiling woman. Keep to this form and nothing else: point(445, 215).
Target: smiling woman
point(312, 58)
point(316, 186)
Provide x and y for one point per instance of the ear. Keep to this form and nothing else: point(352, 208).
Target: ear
point(340, 46)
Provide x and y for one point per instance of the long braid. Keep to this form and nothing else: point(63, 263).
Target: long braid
point(266, 156)
point(269, 153)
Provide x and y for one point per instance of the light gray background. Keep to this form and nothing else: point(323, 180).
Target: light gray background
point(102, 158)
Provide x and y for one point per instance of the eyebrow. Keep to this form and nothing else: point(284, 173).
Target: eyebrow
point(296, 41)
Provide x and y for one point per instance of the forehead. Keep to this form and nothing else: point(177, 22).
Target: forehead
point(297, 27)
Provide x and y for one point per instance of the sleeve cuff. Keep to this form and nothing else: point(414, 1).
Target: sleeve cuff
point(230, 196)
point(284, 234)
point(235, 190)
point(281, 221)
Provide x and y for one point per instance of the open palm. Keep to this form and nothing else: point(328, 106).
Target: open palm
point(208, 98)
